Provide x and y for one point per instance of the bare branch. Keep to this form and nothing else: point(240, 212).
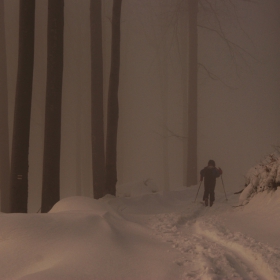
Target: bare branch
point(221, 32)
point(173, 134)
point(170, 133)
point(215, 77)
point(229, 43)
point(236, 16)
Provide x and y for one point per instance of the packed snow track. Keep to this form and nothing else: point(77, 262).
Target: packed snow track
point(208, 249)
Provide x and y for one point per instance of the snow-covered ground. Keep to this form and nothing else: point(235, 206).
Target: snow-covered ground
point(150, 236)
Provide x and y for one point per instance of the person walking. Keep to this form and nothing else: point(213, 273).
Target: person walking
point(209, 174)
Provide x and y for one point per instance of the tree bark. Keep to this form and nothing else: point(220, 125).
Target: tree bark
point(113, 106)
point(21, 129)
point(4, 127)
point(52, 140)
point(192, 95)
point(97, 112)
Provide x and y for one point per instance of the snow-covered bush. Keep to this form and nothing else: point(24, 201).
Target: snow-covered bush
point(263, 176)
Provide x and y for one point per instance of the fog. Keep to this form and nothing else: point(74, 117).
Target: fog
point(238, 111)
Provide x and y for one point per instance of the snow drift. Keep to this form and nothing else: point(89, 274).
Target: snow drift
point(81, 238)
point(164, 235)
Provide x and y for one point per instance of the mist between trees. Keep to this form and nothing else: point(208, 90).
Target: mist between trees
point(184, 81)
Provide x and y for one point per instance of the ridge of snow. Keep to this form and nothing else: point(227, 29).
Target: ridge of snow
point(163, 235)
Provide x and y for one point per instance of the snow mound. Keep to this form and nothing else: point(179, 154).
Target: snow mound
point(267, 202)
point(138, 188)
point(80, 203)
point(246, 194)
point(83, 239)
point(159, 236)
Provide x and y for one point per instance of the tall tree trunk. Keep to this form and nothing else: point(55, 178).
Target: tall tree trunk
point(21, 129)
point(97, 114)
point(192, 95)
point(4, 128)
point(52, 140)
point(113, 106)
point(162, 60)
point(165, 141)
point(184, 39)
point(78, 146)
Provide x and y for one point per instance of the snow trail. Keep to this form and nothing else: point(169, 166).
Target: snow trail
point(208, 250)
point(158, 236)
point(263, 259)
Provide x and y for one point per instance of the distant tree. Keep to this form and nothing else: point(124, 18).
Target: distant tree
point(21, 129)
point(192, 93)
point(113, 106)
point(4, 129)
point(162, 48)
point(211, 14)
point(97, 114)
point(51, 160)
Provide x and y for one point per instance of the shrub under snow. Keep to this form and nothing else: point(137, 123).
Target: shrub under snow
point(264, 176)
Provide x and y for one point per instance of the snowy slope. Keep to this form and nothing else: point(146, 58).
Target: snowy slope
point(151, 236)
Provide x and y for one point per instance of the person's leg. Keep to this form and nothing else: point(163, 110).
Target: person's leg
point(212, 195)
point(206, 195)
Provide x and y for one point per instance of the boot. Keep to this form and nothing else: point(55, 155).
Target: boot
point(206, 202)
point(211, 203)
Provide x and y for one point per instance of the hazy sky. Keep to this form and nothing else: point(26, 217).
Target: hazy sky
point(236, 127)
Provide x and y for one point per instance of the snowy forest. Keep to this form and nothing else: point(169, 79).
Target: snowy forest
point(110, 110)
point(196, 81)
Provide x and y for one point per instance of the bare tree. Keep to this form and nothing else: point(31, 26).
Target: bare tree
point(52, 139)
point(211, 14)
point(192, 94)
point(97, 114)
point(113, 107)
point(4, 128)
point(21, 129)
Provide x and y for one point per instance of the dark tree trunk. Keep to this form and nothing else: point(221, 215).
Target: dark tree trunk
point(51, 161)
point(4, 128)
point(21, 129)
point(97, 114)
point(113, 107)
point(192, 95)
